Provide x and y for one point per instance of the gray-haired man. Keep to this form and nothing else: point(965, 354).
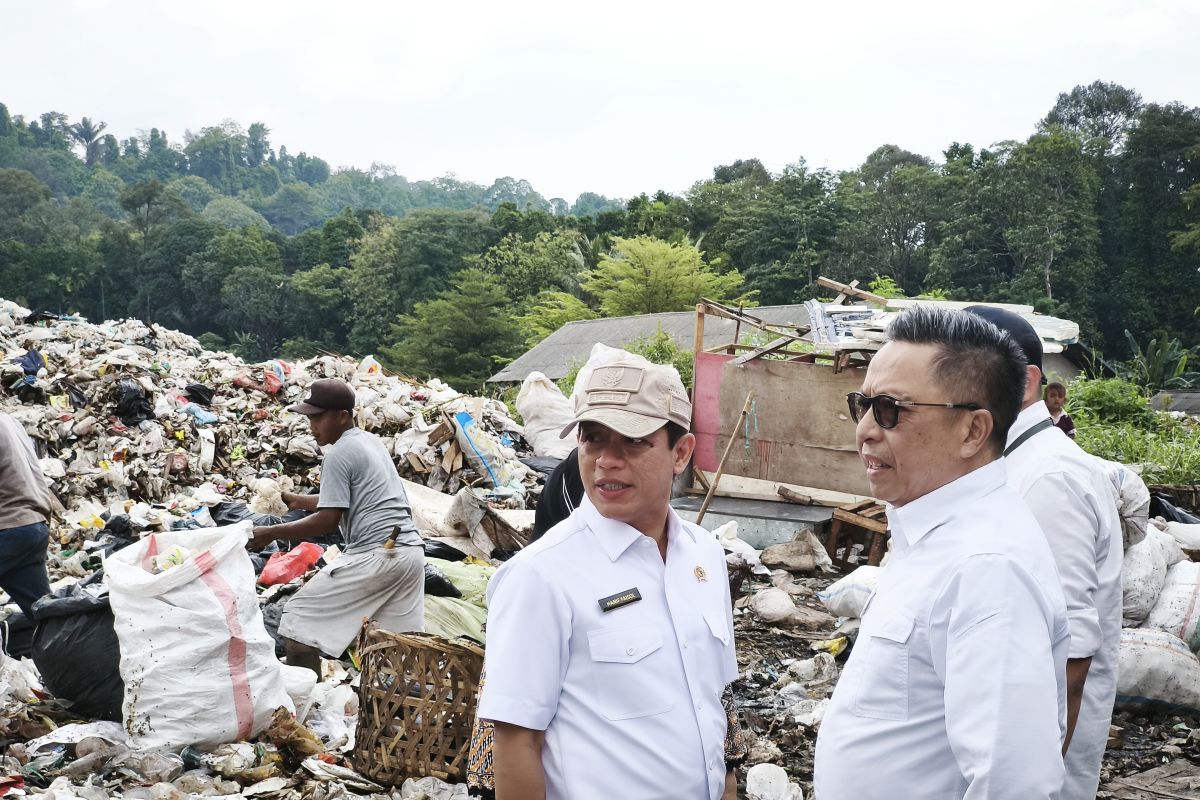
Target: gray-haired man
point(955, 686)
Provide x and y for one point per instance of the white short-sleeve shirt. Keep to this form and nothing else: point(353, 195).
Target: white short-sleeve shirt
point(630, 697)
point(956, 685)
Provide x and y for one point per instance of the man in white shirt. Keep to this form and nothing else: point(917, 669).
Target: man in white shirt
point(955, 686)
point(1070, 494)
point(610, 639)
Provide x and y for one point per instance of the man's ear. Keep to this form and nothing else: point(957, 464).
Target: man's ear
point(977, 433)
point(683, 452)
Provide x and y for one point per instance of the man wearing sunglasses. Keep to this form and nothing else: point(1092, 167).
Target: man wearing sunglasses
point(955, 687)
point(1070, 495)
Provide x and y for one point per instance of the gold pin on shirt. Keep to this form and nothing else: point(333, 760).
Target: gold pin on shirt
point(700, 574)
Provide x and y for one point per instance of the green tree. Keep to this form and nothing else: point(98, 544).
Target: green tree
point(103, 191)
point(646, 276)
point(320, 310)
point(87, 133)
point(193, 190)
point(549, 312)
point(549, 261)
point(404, 261)
point(460, 337)
point(1100, 113)
point(293, 208)
point(232, 213)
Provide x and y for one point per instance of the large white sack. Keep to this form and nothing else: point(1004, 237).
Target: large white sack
point(1188, 536)
point(1143, 575)
point(1156, 667)
point(848, 596)
point(1177, 610)
point(198, 664)
point(1132, 498)
point(546, 411)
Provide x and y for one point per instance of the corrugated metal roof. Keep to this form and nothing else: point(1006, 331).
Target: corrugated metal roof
point(570, 345)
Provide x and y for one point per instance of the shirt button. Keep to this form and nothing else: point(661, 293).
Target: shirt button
point(684, 643)
point(629, 651)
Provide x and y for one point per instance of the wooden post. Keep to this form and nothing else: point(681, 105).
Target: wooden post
point(698, 333)
point(712, 489)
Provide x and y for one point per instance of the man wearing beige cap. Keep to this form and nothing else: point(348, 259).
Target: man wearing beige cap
point(361, 494)
point(610, 639)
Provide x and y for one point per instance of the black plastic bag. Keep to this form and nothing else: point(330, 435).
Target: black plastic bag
point(16, 635)
point(1163, 505)
point(132, 405)
point(437, 584)
point(76, 651)
point(199, 393)
point(436, 549)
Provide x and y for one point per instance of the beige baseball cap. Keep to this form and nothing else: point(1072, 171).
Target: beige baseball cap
point(633, 399)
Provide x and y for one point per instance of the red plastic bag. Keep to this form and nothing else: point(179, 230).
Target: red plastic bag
point(286, 567)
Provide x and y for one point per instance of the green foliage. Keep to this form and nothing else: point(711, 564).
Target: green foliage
point(462, 336)
point(549, 312)
point(1168, 452)
point(646, 276)
point(885, 286)
point(1108, 401)
point(1161, 366)
point(233, 214)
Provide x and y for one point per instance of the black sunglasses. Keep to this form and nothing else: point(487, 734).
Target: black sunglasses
point(887, 408)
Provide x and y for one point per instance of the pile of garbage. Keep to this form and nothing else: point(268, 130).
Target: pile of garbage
point(160, 455)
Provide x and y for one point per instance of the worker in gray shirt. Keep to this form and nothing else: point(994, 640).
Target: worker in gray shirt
point(24, 510)
point(381, 575)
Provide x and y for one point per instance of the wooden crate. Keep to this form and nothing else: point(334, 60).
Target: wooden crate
point(417, 700)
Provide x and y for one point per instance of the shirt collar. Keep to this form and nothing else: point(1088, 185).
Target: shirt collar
point(616, 537)
point(914, 520)
point(1027, 419)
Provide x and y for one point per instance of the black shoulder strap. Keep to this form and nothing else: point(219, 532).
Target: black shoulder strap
point(1041, 426)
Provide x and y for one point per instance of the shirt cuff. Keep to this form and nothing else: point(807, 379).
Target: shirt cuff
point(1085, 633)
point(514, 711)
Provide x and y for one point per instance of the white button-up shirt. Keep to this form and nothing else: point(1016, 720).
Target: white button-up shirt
point(1072, 498)
point(956, 686)
point(630, 698)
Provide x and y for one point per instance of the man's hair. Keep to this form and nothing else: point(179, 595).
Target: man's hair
point(1055, 386)
point(976, 362)
point(675, 432)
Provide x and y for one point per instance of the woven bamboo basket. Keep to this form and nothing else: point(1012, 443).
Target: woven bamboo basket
point(416, 705)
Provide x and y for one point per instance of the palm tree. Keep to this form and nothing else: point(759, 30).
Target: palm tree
point(88, 134)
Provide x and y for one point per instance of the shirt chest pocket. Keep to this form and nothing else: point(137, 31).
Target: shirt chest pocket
point(628, 672)
point(883, 683)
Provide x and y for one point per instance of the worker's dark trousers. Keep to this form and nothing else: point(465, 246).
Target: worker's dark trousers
point(23, 564)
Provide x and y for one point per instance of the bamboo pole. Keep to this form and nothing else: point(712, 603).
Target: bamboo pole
point(712, 489)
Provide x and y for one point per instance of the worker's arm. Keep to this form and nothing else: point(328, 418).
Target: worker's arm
point(1077, 670)
point(518, 763)
point(312, 526)
point(304, 502)
point(730, 786)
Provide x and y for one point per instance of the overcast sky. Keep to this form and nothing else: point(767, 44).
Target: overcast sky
point(614, 97)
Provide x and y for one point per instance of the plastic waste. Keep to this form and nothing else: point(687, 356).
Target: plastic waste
point(76, 651)
point(287, 567)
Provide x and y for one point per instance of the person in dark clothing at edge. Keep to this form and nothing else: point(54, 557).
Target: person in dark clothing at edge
point(560, 496)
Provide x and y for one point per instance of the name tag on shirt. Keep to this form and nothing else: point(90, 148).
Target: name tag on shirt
point(619, 599)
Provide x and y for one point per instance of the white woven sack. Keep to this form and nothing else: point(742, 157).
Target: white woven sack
point(1155, 667)
point(1178, 608)
point(198, 664)
point(848, 596)
point(545, 411)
